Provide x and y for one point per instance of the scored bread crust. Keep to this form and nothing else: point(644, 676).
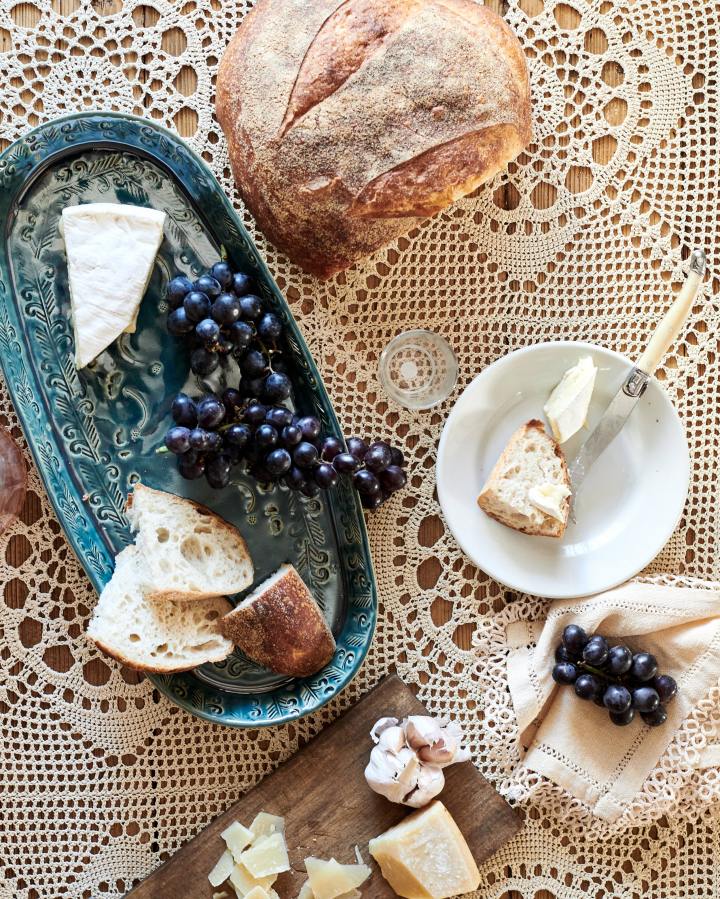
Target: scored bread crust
point(349, 122)
point(218, 523)
point(281, 627)
point(549, 527)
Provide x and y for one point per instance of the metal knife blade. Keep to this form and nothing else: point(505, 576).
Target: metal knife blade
point(609, 426)
point(635, 383)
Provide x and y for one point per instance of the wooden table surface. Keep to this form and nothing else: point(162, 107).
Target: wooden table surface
point(432, 528)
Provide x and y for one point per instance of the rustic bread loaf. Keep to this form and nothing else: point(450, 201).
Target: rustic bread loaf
point(350, 121)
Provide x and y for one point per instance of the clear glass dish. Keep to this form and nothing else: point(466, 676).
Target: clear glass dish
point(418, 369)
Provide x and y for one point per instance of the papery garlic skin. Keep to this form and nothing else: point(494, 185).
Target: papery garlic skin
point(382, 725)
point(392, 739)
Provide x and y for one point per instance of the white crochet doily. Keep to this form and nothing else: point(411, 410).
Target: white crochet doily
point(584, 237)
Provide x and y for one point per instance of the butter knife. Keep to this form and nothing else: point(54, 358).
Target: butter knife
point(637, 380)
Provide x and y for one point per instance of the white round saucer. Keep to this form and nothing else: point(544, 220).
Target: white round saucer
point(627, 507)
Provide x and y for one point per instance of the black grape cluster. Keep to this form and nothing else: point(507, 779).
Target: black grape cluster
point(214, 433)
point(625, 683)
point(221, 316)
point(251, 424)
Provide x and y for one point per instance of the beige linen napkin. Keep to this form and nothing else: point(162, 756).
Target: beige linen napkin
point(571, 741)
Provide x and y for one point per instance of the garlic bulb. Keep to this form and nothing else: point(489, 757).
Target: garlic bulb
point(407, 761)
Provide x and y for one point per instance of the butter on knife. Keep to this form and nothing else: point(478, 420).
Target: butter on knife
point(567, 407)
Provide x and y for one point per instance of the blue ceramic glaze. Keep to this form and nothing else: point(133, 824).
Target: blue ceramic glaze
point(94, 433)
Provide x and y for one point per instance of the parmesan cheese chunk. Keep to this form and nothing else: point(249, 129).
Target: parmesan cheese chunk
point(265, 824)
point(426, 856)
point(330, 879)
point(222, 870)
point(307, 893)
point(267, 855)
point(257, 893)
point(243, 882)
point(237, 839)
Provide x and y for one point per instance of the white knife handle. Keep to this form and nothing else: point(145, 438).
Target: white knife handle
point(675, 317)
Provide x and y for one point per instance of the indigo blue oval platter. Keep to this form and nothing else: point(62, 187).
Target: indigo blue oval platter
point(95, 432)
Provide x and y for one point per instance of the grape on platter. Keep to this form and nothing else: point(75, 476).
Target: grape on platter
point(252, 422)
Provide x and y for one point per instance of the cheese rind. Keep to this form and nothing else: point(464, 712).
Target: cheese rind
point(267, 855)
point(111, 250)
point(426, 856)
point(568, 404)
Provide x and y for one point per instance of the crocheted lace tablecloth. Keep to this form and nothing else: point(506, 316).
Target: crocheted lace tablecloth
point(584, 237)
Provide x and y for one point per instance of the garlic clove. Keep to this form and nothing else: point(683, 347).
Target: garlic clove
point(441, 753)
point(429, 784)
point(391, 775)
point(380, 726)
point(422, 730)
point(436, 740)
point(392, 739)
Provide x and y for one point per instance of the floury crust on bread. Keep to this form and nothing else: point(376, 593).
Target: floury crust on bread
point(531, 458)
point(349, 122)
point(157, 637)
point(281, 627)
point(190, 552)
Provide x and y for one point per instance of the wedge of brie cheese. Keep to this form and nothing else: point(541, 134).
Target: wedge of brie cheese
point(567, 407)
point(111, 250)
point(549, 498)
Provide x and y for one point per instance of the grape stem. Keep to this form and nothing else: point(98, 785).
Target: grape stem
point(592, 669)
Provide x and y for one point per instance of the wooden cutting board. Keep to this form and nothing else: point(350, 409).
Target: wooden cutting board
point(328, 807)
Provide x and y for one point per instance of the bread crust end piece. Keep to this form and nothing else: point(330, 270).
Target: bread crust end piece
point(281, 627)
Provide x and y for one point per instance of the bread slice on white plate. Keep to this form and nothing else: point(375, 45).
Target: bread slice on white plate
point(531, 465)
point(280, 626)
point(189, 552)
point(160, 637)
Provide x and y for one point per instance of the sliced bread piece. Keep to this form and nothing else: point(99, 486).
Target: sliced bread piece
point(280, 626)
point(150, 636)
point(190, 553)
point(532, 459)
